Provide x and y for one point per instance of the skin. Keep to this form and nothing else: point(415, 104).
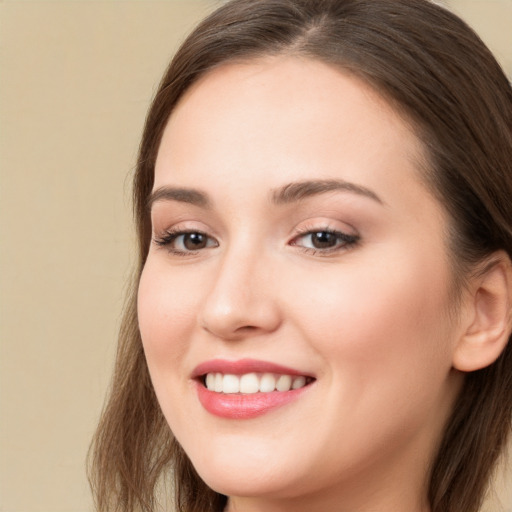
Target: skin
point(369, 320)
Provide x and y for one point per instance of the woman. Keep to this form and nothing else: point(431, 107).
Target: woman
point(321, 310)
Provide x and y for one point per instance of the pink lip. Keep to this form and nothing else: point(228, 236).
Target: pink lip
point(243, 366)
point(238, 406)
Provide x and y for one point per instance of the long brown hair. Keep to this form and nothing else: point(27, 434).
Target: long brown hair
point(438, 74)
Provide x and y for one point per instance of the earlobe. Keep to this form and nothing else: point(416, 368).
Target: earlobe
point(489, 329)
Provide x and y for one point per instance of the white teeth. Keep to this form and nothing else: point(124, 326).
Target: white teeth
point(267, 383)
point(298, 382)
point(250, 383)
point(210, 381)
point(218, 382)
point(284, 383)
point(230, 384)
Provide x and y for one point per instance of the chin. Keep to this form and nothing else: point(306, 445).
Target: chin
point(247, 484)
point(246, 475)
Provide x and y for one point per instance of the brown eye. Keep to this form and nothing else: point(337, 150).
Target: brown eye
point(184, 242)
point(194, 241)
point(324, 240)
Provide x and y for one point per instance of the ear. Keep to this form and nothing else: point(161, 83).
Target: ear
point(489, 319)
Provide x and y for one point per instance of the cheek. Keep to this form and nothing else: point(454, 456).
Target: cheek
point(381, 320)
point(166, 314)
point(385, 338)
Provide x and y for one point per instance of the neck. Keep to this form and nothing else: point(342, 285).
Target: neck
point(326, 504)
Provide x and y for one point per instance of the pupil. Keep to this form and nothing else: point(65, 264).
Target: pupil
point(194, 241)
point(323, 240)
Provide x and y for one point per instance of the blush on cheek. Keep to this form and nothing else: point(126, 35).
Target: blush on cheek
point(166, 315)
point(393, 321)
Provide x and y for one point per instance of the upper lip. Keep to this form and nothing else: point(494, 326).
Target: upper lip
point(243, 366)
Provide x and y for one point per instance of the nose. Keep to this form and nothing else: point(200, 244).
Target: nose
point(241, 301)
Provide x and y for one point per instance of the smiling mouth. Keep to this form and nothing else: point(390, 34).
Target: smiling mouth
point(251, 383)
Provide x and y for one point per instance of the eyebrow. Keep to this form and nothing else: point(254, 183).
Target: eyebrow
point(300, 190)
point(290, 193)
point(182, 195)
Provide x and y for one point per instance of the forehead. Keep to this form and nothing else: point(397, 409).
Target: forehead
point(281, 119)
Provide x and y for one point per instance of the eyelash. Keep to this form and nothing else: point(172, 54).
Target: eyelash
point(344, 241)
point(170, 236)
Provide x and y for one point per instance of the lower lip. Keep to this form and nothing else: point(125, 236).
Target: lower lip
point(243, 407)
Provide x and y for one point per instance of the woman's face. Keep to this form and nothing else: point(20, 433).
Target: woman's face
point(298, 269)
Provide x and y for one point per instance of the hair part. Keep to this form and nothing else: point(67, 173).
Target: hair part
point(435, 72)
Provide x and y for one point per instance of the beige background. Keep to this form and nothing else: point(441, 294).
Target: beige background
point(76, 79)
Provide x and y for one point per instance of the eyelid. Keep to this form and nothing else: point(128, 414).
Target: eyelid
point(166, 225)
point(343, 238)
point(324, 224)
point(345, 241)
point(168, 236)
